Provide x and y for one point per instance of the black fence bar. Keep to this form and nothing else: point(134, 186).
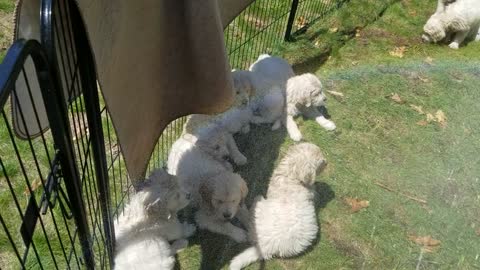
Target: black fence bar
point(291, 19)
point(92, 104)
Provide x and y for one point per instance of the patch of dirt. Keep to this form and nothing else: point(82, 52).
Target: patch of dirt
point(373, 34)
point(336, 234)
point(6, 30)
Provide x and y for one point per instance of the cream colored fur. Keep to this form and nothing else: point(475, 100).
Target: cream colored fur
point(149, 222)
point(199, 163)
point(284, 224)
point(459, 19)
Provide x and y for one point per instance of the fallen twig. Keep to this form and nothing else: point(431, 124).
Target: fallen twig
point(422, 201)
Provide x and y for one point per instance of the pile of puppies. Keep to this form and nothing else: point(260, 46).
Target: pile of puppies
point(199, 173)
point(454, 22)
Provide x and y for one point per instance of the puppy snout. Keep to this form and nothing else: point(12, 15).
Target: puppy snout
point(188, 196)
point(227, 215)
point(245, 102)
point(425, 38)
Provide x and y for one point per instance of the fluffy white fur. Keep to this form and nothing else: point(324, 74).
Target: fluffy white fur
point(269, 76)
point(149, 222)
point(304, 95)
point(268, 72)
point(280, 95)
point(285, 223)
point(199, 162)
point(457, 20)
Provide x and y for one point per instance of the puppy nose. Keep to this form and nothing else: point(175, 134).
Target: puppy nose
point(227, 215)
point(188, 195)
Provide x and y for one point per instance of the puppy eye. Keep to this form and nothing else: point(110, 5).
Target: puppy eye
point(217, 147)
point(238, 92)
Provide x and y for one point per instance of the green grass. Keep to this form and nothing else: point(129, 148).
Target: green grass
point(379, 141)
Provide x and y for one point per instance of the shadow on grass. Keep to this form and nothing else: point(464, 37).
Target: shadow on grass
point(262, 147)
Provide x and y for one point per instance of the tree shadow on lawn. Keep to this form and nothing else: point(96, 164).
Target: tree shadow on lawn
point(262, 148)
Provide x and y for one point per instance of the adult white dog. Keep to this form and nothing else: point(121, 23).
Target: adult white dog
point(199, 162)
point(458, 20)
point(285, 223)
point(149, 223)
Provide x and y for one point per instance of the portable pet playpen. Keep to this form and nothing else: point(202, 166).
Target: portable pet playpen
point(62, 187)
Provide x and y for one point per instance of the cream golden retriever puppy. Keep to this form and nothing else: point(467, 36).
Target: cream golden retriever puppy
point(457, 20)
point(304, 94)
point(219, 198)
point(281, 96)
point(149, 223)
point(284, 224)
point(200, 165)
point(235, 119)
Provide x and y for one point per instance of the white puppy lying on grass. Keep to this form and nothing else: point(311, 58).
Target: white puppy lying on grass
point(149, 223)
point(459, 19)
point(287, 96)
point(199, 162)
point(284, 224)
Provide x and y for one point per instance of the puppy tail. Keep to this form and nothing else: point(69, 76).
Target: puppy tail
point(248, 256)
point(263, 56)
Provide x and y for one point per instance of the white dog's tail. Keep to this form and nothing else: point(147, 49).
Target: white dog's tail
point(263, 56)
point(248, 256)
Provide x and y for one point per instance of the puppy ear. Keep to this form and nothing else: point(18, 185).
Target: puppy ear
point(158, 209)
point(243, 190)
point(205, 190)
point(457, 24)
point(307, 101)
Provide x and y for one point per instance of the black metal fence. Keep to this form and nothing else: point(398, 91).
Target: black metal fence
point(60, 191)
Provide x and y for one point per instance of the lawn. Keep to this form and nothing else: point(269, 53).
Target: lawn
point(421, 178)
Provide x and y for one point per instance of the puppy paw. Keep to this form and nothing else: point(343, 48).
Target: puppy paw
point(276, 125)
point(239, 235)
point(245, 129)
point(296, 136)
point(329, 125)
point(189, 229)
point(240, 160)
point(228, 166)
point(179, 245)
point(454, 45)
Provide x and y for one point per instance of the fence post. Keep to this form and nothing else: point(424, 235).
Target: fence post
point(291, 19)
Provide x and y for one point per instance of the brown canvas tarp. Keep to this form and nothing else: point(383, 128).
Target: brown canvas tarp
point(156, 61)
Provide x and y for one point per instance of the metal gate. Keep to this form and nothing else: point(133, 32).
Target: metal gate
point(58, 182)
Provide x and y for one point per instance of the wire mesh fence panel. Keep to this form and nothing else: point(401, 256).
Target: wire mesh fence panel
point(256, 30)
point(309, 11)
